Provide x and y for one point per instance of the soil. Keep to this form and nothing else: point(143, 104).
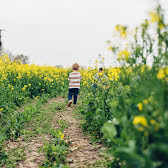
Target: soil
point(81, 152)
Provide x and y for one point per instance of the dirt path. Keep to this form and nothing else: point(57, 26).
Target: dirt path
point(32, 157)
point(81, 152)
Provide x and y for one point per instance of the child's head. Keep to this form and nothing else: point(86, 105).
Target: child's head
point(75, 66)
point(100, 69)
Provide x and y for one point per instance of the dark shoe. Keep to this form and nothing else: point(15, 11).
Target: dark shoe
point(70, 102)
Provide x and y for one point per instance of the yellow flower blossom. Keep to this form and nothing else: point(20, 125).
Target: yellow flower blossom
point(122, 30)
point(140, 106)
point(24, 88)
point(96, 61)
point(161, 74)
point(123, 55)
point(161, 26)
point(36, 97)
point(154, 17)
point(100, 74)
point(18, 139)
point(61, 135)
point(141, 120)
point(85, 82)
point(110, 48)
point(166, 71)
point(145, 101)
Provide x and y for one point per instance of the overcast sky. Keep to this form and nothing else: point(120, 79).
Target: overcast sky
point(63, 31)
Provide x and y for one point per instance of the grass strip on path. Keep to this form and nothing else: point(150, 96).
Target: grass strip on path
point(38, 138)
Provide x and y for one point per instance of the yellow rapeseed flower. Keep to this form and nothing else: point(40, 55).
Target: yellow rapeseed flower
point(161, 26)
point(100, 74)
point(145, 101)
point(140, 120)
point(18, 139)
point(36, 97)
point(161, 74)
point(140, 106)
point(102, 60)
point(110, 48)
point(96, 61)
point(85, 82)
point(122, 30)
point(123, 55)
point(154, 17)
point(117, 27)
point(166, 71)
point(61, 135)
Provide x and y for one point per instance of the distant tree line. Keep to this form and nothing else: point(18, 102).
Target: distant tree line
point(20, 58)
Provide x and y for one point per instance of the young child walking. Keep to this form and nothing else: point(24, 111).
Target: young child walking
point(74, 84)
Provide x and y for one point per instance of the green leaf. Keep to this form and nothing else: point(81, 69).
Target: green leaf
point(109, 131)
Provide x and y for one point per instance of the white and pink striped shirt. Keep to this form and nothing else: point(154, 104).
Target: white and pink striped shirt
point(74, 79)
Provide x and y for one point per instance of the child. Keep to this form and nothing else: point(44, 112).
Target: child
point(74, 84)
point(99, 77)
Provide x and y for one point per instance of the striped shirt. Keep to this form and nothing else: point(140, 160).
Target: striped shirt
point(74, 80)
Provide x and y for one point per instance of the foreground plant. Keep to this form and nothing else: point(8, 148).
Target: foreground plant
point(132, 113)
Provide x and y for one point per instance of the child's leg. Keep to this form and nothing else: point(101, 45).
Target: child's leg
point(70, 97)
point(70, 94)
point(76, 91)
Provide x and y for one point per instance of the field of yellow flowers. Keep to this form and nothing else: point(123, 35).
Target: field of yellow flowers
point(20, 82)
point(128, 110)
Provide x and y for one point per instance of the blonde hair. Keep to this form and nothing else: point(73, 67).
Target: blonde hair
point(75, 66)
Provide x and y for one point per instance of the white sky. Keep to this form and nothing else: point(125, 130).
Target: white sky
point(63, 31)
